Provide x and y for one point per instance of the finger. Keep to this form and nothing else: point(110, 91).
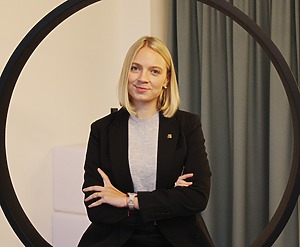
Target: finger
point(182, 183)
point(93, 188)
point(186, 184)
point(95, 204)
point(185, 176)
point(93, 196)
point(105, 178)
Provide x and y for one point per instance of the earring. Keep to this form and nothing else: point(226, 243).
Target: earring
point(165, 87)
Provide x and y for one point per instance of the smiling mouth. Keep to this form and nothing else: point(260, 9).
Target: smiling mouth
point(143, 89)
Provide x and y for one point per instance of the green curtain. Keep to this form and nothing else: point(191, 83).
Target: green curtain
point(226, 78)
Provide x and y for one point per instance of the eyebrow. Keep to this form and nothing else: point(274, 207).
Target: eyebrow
point(154, 66)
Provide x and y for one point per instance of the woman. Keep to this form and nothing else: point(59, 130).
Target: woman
point(137, 154)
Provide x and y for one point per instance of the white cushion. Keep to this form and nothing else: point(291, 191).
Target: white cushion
point(68, 169)
point(68, 229)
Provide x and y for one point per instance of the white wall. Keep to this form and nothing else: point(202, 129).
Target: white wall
point(68, 82)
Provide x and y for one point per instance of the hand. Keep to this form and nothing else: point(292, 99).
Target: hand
point(181, 180)
point(107, 194)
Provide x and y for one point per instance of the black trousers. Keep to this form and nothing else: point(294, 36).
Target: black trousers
point(147, 239)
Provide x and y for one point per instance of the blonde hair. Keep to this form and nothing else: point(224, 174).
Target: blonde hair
point(168, 101)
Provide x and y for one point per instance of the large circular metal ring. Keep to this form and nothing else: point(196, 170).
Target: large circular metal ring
point(8, 199)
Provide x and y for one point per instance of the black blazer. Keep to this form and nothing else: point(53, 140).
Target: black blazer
point(175, 210)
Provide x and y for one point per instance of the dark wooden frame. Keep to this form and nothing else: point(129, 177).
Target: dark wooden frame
point(8, 199)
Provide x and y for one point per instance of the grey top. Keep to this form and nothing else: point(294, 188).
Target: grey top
point(142, 151)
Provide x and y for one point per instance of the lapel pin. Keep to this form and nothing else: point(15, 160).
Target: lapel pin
point(169, 136)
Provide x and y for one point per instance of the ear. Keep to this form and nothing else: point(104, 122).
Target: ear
point(166, 83)
point(168, 77)
point(167, 80)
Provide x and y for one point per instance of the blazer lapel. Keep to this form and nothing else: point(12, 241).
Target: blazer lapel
point(167, 143)
point(118, 150)
point(168, 136)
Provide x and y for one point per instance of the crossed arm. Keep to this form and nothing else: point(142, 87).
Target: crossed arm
point(111, 195)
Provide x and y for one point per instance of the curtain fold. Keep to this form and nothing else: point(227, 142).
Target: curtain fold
point(226, 78)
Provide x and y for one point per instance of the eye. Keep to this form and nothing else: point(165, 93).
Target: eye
point(155, 71)
point(134, 68)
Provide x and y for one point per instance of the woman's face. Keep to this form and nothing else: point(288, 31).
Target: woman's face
point(147, 76)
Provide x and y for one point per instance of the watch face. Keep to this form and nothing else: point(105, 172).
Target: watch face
point(131, 200)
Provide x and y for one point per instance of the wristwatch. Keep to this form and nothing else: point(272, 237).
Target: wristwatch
point(131, 197)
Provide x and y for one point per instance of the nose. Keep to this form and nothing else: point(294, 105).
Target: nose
point(144, 77)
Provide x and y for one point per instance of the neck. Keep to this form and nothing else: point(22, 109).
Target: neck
point(145, 112)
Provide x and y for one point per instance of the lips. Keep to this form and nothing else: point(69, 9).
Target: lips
point(141, 89)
